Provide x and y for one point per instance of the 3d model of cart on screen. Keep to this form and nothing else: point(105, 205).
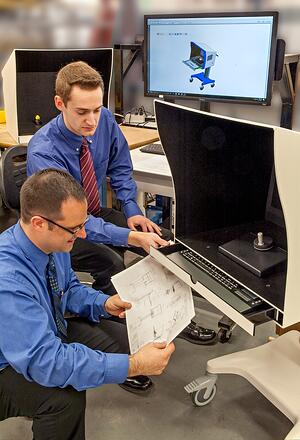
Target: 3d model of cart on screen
point(202, 58)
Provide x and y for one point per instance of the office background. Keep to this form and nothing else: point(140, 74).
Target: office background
point(102, 23)
point(239, 412)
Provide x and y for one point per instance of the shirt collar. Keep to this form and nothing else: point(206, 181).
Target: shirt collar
point(71, 138)
point(31, 251)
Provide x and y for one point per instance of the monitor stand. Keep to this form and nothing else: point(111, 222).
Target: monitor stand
point(259, 262)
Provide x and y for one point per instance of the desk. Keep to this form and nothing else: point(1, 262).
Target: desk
point(152, 174)
point(136, 137)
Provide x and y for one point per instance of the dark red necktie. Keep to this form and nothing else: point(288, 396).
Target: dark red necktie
point(89, 181)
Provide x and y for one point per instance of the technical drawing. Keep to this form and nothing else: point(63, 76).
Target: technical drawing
point(162, 305)
point(202, 57)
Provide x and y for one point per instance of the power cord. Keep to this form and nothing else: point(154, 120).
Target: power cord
point(137, 116)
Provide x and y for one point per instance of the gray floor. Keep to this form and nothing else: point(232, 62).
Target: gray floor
point(238, 411)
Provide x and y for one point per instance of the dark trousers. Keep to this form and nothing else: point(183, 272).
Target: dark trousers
point(59, 413)
point(103, 261)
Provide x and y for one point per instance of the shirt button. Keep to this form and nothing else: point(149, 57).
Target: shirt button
point(77, 149)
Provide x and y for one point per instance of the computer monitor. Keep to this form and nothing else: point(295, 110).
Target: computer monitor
point(224, 57)
point(29, 84)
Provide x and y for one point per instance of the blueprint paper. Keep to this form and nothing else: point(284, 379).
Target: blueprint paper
point(162, 304)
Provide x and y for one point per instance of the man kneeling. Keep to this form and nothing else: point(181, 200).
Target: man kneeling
point(46, 364)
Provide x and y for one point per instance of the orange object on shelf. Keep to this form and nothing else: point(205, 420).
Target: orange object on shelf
point(2, 116)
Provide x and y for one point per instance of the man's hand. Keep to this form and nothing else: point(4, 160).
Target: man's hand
point(144, 223)
point(145, 240)
point(150, 360)
point(116, 307)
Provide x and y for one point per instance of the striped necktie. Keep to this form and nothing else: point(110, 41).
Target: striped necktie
point(55, 295)
point(89, 181)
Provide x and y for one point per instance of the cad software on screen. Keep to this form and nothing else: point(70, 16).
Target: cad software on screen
point(215, 56)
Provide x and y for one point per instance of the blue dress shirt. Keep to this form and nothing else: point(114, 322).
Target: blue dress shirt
point(28, 341)
point(55, 146)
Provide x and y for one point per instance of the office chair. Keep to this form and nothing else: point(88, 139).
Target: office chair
point(13, 175)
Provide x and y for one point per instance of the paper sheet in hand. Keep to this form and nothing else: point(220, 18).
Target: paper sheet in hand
point(162, 304)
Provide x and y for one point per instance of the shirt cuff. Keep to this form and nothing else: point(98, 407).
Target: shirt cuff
point(117, 366)
point(119, 237)
point(131, 209)
point(99, 304)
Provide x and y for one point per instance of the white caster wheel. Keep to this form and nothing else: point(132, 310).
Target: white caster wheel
point(198, 398)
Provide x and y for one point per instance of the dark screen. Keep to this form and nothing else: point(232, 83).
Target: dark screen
point(221, 168)
point(36, 74)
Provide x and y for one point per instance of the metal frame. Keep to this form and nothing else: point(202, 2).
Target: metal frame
point(122, 66)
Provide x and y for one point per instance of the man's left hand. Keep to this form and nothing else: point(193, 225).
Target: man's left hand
point(144, 223)
point(115, 306)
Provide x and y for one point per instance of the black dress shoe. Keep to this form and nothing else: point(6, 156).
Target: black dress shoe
point(198, 335)
point(137, 384)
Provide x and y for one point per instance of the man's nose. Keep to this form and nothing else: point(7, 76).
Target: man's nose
point(90, 119)
point(81, 233)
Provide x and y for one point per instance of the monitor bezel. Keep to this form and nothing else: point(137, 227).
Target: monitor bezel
point(236, 100)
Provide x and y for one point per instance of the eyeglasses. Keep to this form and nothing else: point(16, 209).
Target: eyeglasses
point(71, 231)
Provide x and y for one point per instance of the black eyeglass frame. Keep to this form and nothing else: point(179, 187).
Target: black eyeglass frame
point(71, 231)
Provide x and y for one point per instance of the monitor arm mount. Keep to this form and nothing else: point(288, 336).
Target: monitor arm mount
point(124, 57)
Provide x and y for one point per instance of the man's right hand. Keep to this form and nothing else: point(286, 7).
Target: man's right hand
point(150, 360)
point(145, 240)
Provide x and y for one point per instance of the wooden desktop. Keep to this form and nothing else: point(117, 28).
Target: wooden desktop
point(135, 136)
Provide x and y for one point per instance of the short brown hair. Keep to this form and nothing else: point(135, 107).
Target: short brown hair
point(77, 73)
point(44, 192)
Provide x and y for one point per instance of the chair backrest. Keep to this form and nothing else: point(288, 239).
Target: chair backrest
point(13, 175)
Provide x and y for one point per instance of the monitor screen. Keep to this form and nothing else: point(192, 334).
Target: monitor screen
point(36, 72)
point(223, 57)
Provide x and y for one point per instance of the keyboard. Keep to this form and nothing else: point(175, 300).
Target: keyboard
point(217, 281)
point(153, 149)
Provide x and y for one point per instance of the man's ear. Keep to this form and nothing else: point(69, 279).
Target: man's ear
point(38, 223)
point(59, 104)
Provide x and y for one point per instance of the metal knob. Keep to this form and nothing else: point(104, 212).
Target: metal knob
point(262, 243)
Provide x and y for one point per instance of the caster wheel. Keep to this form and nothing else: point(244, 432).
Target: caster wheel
point(198, 397)
point(212, 85)
point(191, 80)
point(224, 335)
point(201, 87)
